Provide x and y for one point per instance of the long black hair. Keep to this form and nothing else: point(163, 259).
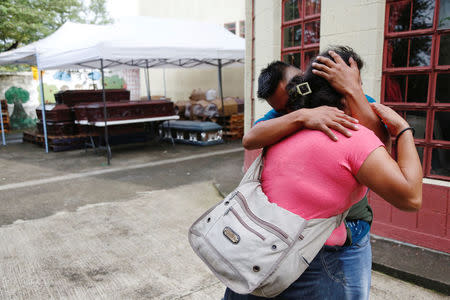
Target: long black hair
point(321, 91)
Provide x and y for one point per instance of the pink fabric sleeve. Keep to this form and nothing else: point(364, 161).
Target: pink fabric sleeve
point(367, 142)
point(338, 236)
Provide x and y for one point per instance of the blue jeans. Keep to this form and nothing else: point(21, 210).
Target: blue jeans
point(357, 267)
point(335, 273)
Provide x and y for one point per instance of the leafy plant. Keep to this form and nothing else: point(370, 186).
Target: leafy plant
point(26, 21)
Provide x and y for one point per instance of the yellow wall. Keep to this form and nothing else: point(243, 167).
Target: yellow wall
point(180, 83)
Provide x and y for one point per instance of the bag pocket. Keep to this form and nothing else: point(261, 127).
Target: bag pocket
point(248, 246)
point(244, 224)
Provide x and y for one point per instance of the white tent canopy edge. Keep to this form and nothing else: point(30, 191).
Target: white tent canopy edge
point(132, 42)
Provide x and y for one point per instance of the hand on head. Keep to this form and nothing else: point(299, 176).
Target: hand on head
point(344, 77)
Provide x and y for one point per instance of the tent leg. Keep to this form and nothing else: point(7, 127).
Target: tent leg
point(108, 149)
point(220, 85)
point(1, 124)
point(41, 87)
point(147, 80)
point(164, 81)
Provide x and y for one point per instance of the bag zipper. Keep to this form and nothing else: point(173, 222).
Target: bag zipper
point(245, 224)
point(266, 225)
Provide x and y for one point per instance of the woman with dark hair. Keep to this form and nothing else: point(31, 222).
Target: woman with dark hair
point(315, 177)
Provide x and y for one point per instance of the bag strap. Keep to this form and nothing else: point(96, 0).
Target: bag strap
point(253, 171)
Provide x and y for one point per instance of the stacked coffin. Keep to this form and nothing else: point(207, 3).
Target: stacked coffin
point(62, 132)
point(125, 110)
point(94, 112)
point(73, 97)
point(5, 116)
point(71, 118)
point(59, 120)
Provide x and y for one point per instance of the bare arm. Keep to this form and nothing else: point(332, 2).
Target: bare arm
point(398, 182)
point(346, 80)
point(322, 118)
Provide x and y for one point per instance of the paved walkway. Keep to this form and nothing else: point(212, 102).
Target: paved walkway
point(136, 249)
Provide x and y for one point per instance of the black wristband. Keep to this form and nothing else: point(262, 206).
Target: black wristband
point(401, 132)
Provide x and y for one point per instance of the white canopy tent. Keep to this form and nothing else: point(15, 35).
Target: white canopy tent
point(67, 35)
point(132, 42)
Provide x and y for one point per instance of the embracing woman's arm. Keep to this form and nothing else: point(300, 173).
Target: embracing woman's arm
point(322, 118)
point(398, 182)
point(347, 81)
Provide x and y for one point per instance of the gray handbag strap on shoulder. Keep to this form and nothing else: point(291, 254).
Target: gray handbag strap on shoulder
point(254, 172)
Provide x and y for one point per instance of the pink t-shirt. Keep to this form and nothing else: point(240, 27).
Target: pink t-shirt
point(312, 176)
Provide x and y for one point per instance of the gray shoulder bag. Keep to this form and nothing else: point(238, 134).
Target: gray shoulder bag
point(254, 246)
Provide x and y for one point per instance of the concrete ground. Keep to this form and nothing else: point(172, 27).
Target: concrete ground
point(73, 228)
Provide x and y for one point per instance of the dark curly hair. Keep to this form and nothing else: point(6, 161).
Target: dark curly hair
point(269, 79)
point(322, 92)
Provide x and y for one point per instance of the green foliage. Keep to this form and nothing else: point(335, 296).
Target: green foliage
point(15, 94)
point(26, 21)
point(15, 68)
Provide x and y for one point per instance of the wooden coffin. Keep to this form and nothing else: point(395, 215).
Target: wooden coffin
point(58, 128)
point(191, 132)
point(56, 113)
point(93, 112)
point(72, 97)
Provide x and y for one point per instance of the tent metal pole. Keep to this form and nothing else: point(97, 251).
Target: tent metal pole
point(41, 87)
point(1, 124)
point(164, 80)
point(108, 149)
point(220, 85)
point(147, 77)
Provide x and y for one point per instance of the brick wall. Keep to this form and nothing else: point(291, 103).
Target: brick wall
point(429, 227)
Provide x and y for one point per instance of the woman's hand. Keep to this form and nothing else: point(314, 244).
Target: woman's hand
point(343, 78)
point(394, 122)
point(325, 118)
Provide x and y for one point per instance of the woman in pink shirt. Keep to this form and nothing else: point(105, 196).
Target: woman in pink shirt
point(310, 175)
point(315, 177)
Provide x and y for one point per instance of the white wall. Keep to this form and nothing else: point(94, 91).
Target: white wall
point(22, 80)
point(360, 25)
point(267, 49)
point(180, 83)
